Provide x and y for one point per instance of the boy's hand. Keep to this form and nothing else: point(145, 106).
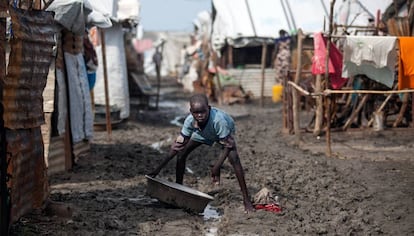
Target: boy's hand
point(215, 176)
point(179, 143)
point(228, 142)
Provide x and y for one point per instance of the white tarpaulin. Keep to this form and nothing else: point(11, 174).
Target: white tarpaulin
point(118, 10)
point(233, 20)
point(117, 71)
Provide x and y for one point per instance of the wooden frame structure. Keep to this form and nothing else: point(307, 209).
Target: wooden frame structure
point(326, 98)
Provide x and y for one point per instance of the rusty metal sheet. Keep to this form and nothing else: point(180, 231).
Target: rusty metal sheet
point(30, 57)
point(28, 182)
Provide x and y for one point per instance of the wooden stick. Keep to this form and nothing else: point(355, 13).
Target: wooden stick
point(356, 111)
point(329, 99)
point(217, 75)
point(264, 52)
point(105, 72)
point(300, 89)
point(329, 91)
point(402, 110)
point(319, 106)
point(285, 102)
point(381, 107)
point(295, 95)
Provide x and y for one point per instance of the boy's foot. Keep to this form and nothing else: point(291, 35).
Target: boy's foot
point(248, 207)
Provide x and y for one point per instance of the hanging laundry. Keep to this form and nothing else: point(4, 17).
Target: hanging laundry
point(406, 63)
point(335, 61)
point(373, 56)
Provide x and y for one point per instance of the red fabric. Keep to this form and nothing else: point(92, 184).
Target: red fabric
point(335, 61)
point(268, 207)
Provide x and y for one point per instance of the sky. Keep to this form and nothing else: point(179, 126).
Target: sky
point(177, 15)
point(171, 15)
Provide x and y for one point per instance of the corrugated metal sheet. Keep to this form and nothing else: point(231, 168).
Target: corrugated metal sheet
point(28, 183)
point(251, 80)
point(30, 57)
point(80, 149)
point(57, 155)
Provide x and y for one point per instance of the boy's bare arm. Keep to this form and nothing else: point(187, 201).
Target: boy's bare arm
point(177, 146)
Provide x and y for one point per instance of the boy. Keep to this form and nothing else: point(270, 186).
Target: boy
point(207, 125)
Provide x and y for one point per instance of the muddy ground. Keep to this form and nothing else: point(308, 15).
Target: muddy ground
point(366, 188)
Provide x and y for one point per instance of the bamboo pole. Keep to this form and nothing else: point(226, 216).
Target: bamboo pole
point(295, 95)
point(105, 72)
point(264, 52)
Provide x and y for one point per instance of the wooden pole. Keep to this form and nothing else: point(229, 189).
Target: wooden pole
point(319, 106)
point(230, 56)
point(264, 52)
point(285, 102)
point(157, 59)
point(295, 95)
point(217, 75)
point(105, 73)
point(329, 98)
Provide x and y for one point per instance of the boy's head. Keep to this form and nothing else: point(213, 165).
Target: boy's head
point(199, 108)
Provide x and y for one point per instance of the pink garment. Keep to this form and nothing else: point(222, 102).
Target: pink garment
point(335, 61)
point(142, 45)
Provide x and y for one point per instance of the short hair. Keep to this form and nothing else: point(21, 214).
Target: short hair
point(282, 32)
point(200, 98)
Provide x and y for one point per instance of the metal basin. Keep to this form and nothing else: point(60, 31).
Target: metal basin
point(177, 195)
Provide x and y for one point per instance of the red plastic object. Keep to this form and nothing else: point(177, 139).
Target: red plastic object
point(268, 207)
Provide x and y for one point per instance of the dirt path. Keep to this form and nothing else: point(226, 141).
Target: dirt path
point(351, 194)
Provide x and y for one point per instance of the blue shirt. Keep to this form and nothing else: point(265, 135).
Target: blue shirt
point(219, 126)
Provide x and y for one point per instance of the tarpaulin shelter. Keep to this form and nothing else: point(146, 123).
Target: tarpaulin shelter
point(120, 12)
